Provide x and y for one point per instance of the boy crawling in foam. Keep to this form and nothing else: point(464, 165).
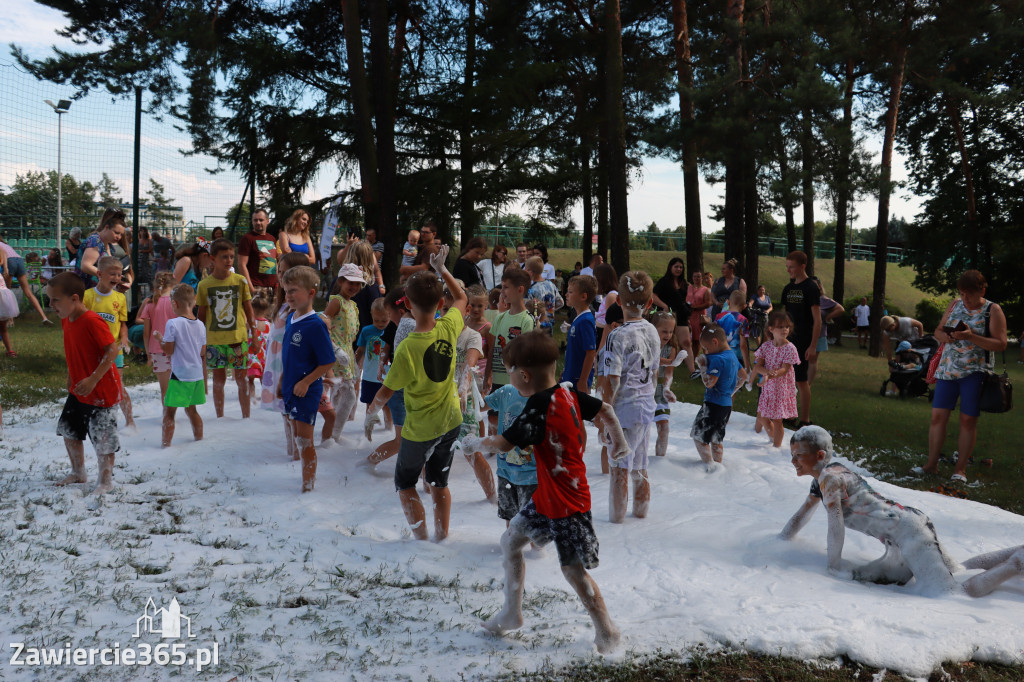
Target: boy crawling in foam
point(912, 548)
point(551, 422)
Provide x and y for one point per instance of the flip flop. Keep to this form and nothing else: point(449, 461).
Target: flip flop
point(959, 478)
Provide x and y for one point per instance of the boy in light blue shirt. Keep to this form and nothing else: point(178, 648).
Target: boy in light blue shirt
point(720, 371)
point(517, 470)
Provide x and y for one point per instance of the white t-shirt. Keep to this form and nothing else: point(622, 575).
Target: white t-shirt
point(189, 337)
point(548, 272)
point(467, 341)
point(863, 314)
point(632, 353)
point(587, 271)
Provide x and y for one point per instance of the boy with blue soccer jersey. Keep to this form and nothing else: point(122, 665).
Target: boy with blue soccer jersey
point(581, 345)
point(307, 355)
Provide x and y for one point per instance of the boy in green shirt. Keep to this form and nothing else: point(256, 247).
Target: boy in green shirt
point(424, 366)
point(224, 305)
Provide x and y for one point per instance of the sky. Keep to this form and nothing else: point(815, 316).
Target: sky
point(655, 196)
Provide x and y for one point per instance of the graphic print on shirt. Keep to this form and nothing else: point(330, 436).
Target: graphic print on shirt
point(224, 304)
point(437, 360)
point(499, 347)
point(268, 256)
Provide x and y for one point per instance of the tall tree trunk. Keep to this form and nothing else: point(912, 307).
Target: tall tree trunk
point(733, 216)
point(363, 136)
point(807, 185)
point(691, 178)
point(602, 193)
point(588, 204)
point(734, 165)
point(614, 112)
point(786, 194)
point(382, 73)
point(468, 182)
point(953, 109)
point(843, 189)
point(899, 62)
point(750, 216)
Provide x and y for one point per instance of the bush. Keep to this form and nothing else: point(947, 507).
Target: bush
point(929, 312)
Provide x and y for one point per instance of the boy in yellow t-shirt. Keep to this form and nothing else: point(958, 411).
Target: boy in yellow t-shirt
point(224, 305)
point(424, 366)
point(112, 307)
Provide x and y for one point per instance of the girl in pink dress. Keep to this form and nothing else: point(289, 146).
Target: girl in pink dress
point(775, 361)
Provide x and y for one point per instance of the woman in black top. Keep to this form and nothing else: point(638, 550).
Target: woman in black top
point(670, 294)
point(466, 267)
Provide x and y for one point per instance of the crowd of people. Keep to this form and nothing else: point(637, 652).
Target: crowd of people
point(466, 361)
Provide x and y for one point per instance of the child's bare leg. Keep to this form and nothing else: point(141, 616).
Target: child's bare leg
point(76, 453)
point(706, 455)
point(304, 444)
point(289, 438)
point(641, 492)
point(196, 421)
point(253, 394)
point(343, 397)
point(510, 617)
point(126, 408)
point(105, 481)
point(484, 475)
point(163, 378)
point(442, 511)
point(604, 460)
point(242, 382)
point(608, 636)
point(618, 492)
point(388, 423)
point(1011, 564)
point(167, 427)
point(412, 507)
point(6, 336)
point(759, 424)
point(778, 432)
point(716, 452)
point(328, 427)
point(220, 377)
point(661, 447)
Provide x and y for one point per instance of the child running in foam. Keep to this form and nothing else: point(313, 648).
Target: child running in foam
point(559, 510)
point(671, 356)
point(112, 306)
point(613, 320)
point(912, 548)
point(775, 360)
point(155, 313)
point(369, 348)
point(721, 372)
point(424, 366)
point(183, 342)
point(344, 317)
point(400, 323)
point(631, 365)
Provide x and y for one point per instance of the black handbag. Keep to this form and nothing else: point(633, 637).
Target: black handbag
point(996, 389)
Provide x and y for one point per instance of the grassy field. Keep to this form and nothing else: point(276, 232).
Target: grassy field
point(859, 274)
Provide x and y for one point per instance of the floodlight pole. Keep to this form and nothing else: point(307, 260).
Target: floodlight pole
point(60, 108)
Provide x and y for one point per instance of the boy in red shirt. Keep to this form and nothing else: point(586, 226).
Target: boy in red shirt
point(551, 422)
point(94, 386)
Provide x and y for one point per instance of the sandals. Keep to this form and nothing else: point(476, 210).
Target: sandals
point(958, 478)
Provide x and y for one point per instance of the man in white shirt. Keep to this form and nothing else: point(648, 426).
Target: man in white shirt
point(862, 315)
point(595, 260)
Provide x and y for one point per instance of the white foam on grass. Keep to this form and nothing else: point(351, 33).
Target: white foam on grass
point(330, 583)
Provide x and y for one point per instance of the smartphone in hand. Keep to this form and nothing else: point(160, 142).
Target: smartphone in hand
point(960, 326)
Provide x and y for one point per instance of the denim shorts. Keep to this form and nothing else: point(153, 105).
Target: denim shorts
point(967, 389)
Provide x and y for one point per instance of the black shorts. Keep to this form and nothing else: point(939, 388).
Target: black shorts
point(865, 328)
point(573, 535)
point(512, 498)
point(801, 349)
point(710, 422)
point(435, 455)
point(80, 420)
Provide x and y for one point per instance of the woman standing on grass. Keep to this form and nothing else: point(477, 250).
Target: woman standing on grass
point(494, 266)
point(72, 243)
point(670, 294)
point(965, 357)
point(15, 268)
point(699, 298)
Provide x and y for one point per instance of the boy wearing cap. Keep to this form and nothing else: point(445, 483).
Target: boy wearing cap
point(344, 324)
point(224, 305)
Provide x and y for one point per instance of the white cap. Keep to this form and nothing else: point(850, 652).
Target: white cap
point(351, 272)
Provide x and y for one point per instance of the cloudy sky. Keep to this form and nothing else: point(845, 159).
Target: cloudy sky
point(104, 129)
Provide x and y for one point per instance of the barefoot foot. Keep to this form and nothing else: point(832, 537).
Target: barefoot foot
point(72, 478)
point(103, 488)
point(503, 622)
point(607, 642)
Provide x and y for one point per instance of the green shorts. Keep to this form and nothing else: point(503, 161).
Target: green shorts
point(225, 356)
point(184, 393)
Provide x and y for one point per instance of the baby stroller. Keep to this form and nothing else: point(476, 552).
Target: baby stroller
point(909, 368)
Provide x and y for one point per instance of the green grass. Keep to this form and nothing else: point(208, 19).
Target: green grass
point(859, 274)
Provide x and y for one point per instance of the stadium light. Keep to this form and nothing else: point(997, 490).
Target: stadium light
point(61, 107)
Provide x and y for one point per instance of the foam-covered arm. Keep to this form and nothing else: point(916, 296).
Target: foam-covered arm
point(680, 356)
point(836, 530)
point(611, 390)
point(618, 446)
point(800, 519)
point(497, 443)
point(342, 357)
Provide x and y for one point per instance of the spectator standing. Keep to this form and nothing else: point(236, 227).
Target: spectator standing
point(145, 256)
point(522, 253)
point(467, 267)
point(99, 244)
point(375, 244)
point(862, 317)
point(802, 300)
point(494, 266)
point(162, 252)
point(72, 243)
point(965, 357)
point(670, 293)
point(549, 269)
point(725, 285)
point(257, 253)
point(295, 236)
point(595, 260)
point(698, 297)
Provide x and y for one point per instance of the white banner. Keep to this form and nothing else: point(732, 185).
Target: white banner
point(327, 234)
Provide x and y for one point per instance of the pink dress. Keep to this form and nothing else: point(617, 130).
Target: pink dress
point(778, 395)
